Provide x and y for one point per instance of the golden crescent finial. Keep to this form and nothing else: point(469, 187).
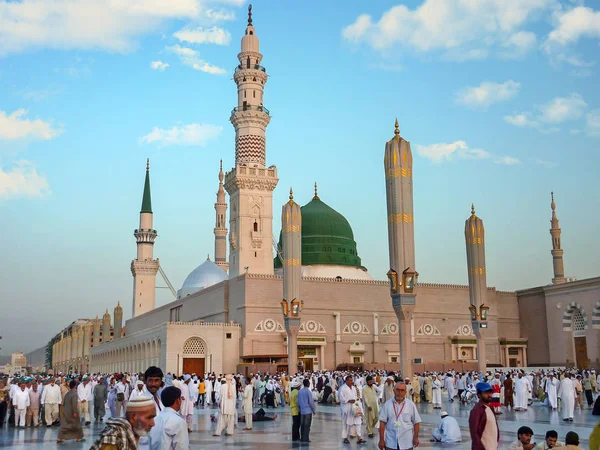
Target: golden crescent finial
point(291, 194)
point(397, 128)
point(316, 197)
point(472, 209)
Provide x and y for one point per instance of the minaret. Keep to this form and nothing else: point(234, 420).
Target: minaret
point(118, 328)
point(402, 274)
point(250, 183)
point(557, 252)
point(144, 267)
point(96, 333)
point(106, 327)
point(220, 228)
point(475, 241)
point(291, 228)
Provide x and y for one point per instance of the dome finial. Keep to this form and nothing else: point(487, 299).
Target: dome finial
point(316, 197)
point(397, 128)
point(291, 194)
point(221, 176)
point(472, 209)
point(250, 14)
point(147, 164)
point(208, 256)
point(552, 205)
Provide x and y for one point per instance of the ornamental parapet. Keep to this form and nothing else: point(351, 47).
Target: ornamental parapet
point(205, 324)
point(245, 177)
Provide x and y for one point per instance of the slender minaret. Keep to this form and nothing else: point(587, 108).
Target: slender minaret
point(291, 229)
point(475, 240)
point(557, 252)
point(250, 183)
point(144, 267)
point(118, 320)
point(399, 194)
point(106, 327)
point(220, 228)
point(96, 333)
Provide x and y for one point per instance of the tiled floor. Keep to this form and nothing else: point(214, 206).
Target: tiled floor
point(325, 433)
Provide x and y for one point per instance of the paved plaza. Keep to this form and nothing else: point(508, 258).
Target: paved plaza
point(325, 432)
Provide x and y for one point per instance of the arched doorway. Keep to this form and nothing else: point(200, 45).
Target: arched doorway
point(575, 321)
point(194, 356)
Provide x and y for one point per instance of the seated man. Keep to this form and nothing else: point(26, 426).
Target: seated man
point(572, 441)
point(448, 431)
point(551, 441)
point(523, 442)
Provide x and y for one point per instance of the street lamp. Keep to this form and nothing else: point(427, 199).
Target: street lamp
point(293, 309)
point(482, 315)
point(409, 279)
point(393, 277)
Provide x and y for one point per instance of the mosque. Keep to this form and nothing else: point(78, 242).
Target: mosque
point(228, 316)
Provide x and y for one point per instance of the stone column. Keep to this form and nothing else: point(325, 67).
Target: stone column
point(404, 312)
point(292, 325)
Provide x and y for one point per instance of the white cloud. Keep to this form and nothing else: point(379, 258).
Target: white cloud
point(200, 35)
point(159, 65)
point(487, 93)
point(518, 45)
point(522, 119)
point(23, 180)
point(593, 122)
point(191, 58)
point(17, 126)
point(456, 28)
point(196, 134)
point(562, 109)
point(574, 24)
point(113, 25)
point(441, 152)
point(507, 161)
point(219, 15)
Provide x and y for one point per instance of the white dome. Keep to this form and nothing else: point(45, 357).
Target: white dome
point(205, 275)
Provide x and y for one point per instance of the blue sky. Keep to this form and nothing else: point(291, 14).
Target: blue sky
point(499, 101)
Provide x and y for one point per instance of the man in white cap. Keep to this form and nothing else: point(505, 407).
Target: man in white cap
point(294, 387)
point(448, 430)
point(187, 405)
point(170, 429)
point(51, 398)
point(124, 433)
point(388, 389)
point(139, 390)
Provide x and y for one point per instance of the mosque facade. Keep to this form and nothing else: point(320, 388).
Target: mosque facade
point(229, 315)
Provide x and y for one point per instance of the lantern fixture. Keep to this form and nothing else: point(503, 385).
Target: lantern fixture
point(409, 279)
point(393, 277)
point(284, 308)
point(296, 307)
point(481, 315)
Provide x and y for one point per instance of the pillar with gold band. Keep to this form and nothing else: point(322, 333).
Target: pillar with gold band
point(291, 305)
point(475, 241)
point(401, 236)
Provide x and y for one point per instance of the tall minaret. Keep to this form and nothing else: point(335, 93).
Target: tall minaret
point(96, 333)
point(291, 230)
point(118, 320)
point(475, 241)
point(402, 274)
point(220, 228)
point(250, 183)
point(144, 267)
point(557, 252)
point(106, 327)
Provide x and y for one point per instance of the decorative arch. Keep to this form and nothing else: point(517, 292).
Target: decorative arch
point(269, 326)
point(356, 328)
point(390, 328)
point(596, 316)
point(428, 330)
point(567, 319)
point(195, 346)
point(311, 326)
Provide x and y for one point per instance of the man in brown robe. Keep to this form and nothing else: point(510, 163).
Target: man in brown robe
point(508, 392)
point(70, 421)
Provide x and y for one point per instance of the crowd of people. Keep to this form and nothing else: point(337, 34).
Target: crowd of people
point(156, 410)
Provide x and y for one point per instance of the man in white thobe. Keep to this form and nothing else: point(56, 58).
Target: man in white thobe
point(522, 389)
point(348, 399)
point(436, 386)
point(187, 404)
point(227, 407)
point(449, 386)
point(552, 391)
point(448, 430)
point(84, 398)
point(170, 429)
point(566, 393)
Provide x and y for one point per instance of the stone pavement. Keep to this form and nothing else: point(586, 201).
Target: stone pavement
point(325, 432)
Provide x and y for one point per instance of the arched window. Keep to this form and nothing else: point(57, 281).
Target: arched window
point(194, 346)
point(578, 321)
point(255, 225)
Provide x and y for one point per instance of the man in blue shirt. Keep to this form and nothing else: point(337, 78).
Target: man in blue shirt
point(306, 404)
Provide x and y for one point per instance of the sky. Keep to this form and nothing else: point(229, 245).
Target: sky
point(498, 99)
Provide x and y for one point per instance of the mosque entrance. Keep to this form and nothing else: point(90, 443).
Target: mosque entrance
point(193, 365)
point(307, 364)
point(581, 355)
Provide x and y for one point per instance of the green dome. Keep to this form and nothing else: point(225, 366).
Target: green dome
point(327, 237)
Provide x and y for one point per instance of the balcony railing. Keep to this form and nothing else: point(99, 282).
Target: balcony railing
point(250, 108)
point(254, 67)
